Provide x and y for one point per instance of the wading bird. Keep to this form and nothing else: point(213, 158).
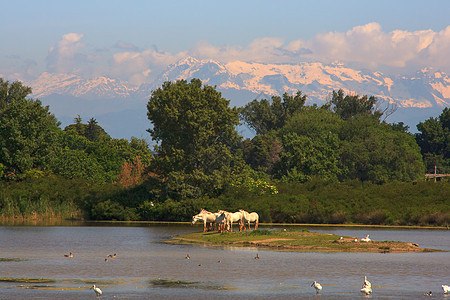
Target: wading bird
point(366, 287)
point(446, 288)
point(366, 239)
point(317, 286)
point(97, 290)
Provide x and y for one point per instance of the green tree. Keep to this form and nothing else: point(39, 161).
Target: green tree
point(27, 130)
point(377, 152)
point(10, 92)
point(434, 141)
point(350, 106)
point(263, 116)
point(92, 131)
point(194, 128)
point(311, 146)
point(262, 152)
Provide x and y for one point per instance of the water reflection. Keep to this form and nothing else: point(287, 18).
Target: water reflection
point(144, 267)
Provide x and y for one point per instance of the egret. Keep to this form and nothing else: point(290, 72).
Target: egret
point(317, 286)
point(446, 288)
point(97, 290)
point(366, 287)
point(367, 282)
point(366, 290)
point(366, 239)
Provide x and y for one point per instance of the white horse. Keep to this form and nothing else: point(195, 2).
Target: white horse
point(234, 217)
point(205, 216)
point(221, 220)
point(248, 218)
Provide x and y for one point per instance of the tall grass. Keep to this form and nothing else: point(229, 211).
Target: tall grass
point(353, 202)
point(43, 198)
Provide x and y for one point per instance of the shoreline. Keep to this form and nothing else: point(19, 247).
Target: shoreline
point(59, 222)
point(301, 241)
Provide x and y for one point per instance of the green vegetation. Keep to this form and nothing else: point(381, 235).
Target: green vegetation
point(2, 259)
point(26, 280)
point(298, 241)
point(339, 163)
point(434, 141)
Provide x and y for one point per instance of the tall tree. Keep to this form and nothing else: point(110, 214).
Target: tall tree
point(194, 128)
point(10, 92)
point(434, 141)
point(27, 130)
point(263, 116)
point(350, 106)
point(377, 152)
point(310, 146)
point(92, 131)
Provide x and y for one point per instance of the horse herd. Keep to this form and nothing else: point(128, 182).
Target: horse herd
point(223, 220)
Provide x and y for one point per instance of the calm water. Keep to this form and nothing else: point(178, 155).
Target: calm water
point(146, 268)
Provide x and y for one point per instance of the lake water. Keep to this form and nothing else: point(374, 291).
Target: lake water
point(147, 268)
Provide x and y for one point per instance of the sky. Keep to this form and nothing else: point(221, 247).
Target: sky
point(134, 40)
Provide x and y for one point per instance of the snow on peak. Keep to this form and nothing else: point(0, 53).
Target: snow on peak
point(317, 80)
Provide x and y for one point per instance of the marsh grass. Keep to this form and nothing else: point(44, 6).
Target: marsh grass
point(26, 280)
point(175, 283)
point(297, 241)
point(3, 259)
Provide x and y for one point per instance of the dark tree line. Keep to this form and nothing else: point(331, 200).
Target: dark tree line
point(31, 142)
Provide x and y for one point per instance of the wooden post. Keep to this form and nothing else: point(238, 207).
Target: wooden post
point(434, 173)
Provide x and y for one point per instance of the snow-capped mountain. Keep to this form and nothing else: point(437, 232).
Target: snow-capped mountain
point(426, 88)
point(418, 96)
point(72, 85)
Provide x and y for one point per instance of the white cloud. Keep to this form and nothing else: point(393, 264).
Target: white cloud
point(141, 67)
point(66, 55)
point(367, 45)
point(125, 46)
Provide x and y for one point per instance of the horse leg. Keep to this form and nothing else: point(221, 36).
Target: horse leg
point(256, 224)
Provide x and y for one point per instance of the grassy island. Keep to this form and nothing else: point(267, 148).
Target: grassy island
point(294, 240)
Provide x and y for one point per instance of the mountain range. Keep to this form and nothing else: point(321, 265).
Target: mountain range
point(119, 107)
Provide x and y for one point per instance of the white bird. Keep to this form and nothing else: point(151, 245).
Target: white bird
point(367, 282)
point(366, 239)
point(97, 290)
point(366, 290)
point(446, 288)
point(366, 287)
point(317, 286)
